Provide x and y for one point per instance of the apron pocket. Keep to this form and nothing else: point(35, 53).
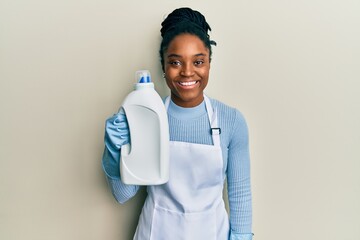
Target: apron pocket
point(168, 224)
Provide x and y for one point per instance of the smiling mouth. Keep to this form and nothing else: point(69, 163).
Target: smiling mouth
point(187, 84)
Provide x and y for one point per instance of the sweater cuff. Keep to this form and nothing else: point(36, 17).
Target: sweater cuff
point(240, 236)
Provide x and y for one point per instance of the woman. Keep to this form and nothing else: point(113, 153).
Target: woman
point(209, 143)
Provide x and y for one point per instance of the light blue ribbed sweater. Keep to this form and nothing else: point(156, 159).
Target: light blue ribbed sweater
point(192, 125)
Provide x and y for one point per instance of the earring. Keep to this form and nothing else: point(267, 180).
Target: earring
point(163, 75)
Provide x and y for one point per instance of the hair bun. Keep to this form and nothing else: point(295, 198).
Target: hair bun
point(182, 16)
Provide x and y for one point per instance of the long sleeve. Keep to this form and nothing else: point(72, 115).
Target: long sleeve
point(238, 178)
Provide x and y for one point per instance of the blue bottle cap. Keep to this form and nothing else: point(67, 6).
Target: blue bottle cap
point(143, 76)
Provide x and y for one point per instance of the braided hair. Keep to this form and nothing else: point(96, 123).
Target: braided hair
point(180, 21)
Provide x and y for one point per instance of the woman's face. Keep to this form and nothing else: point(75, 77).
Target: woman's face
point(187, 65)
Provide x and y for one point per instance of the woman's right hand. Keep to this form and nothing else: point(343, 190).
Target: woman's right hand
point(116, 135)
point(116, 131)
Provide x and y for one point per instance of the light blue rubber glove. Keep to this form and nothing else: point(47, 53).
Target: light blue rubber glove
point(116, 135)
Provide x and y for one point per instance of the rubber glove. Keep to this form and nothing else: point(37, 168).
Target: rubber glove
point(116, 135)
point(240, 236)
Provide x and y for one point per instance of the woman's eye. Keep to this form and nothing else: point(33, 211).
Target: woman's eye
point(199, 62)
point(176, 63)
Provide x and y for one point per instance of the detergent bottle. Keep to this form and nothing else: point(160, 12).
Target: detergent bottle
point(145, 161)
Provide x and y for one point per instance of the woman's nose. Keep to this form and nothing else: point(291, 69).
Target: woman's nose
point(187, 70)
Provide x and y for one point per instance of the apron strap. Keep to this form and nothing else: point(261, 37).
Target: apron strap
point(212, 115)
point(167, 102)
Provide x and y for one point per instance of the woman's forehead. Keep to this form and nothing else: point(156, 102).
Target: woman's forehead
point(187, 44)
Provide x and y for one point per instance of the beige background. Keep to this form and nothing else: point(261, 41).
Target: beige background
point(292, 68)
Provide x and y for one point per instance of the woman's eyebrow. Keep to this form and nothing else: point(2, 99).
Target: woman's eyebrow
point(173, 55)
point(200, 55)
point(177, 55)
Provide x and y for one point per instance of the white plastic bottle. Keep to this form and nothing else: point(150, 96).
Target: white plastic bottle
point(145, 161)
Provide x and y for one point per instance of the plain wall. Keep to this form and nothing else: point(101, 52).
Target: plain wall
point(291, 67)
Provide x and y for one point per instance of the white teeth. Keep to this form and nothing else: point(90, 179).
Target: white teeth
point(187, 83)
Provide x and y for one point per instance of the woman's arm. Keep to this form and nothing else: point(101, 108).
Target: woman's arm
point(116, 135)
point(238, 179)
point(121, 192)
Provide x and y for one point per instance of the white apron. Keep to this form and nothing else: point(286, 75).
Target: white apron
point(190, 205)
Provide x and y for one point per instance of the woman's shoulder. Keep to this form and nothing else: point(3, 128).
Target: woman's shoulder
point(226, 111)
point(231, 121)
